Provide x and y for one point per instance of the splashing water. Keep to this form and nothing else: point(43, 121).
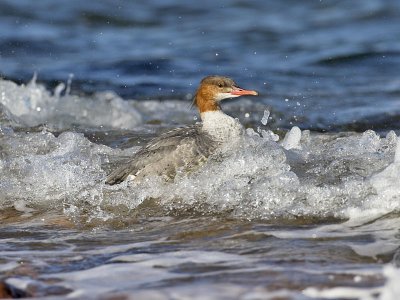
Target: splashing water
point(304, 175)
point(265, 117)
point(346, 179)
point(33, 105)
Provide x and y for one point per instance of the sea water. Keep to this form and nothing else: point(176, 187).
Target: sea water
point(302, 215)
point(305, 206)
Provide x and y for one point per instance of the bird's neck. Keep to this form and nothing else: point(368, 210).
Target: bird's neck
point(205, 101)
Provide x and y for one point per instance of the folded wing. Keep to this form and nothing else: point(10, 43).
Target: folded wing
point(181, 148)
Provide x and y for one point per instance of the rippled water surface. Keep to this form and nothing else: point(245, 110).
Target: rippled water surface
point(305, 206)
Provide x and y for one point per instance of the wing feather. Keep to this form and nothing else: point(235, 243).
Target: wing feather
point(181, 147)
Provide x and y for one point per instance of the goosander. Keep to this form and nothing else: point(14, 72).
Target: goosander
point(186, 148)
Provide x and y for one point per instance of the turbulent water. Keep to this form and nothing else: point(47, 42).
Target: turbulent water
point(305, 206)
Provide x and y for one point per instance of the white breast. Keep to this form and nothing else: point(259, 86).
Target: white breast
point(220, 126)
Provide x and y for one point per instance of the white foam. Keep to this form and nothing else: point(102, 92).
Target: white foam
point(32, 104)
point(391, 289)
point(20, 205)
point(41, 169)
point(342, 175)
point(340, 292)
point(328, 176)
point(265, 117)
point(255, 179)
point(292, 139)
point(385, 182)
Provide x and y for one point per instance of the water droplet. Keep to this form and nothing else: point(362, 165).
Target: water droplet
point(265, 117)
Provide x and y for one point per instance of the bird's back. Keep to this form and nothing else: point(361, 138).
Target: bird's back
point(181, 148)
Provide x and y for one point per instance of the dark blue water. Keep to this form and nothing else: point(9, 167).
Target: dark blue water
point(337, 62)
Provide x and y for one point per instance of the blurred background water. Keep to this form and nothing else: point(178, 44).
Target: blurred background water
point(336, 62)
point(314, 215)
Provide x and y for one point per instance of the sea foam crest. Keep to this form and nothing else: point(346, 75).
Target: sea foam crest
point(324, 175)
point(31, 105)
point(44, 171)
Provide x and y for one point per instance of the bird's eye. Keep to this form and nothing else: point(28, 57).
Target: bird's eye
point(220, 85)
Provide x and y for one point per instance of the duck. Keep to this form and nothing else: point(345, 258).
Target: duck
point(187, 148)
